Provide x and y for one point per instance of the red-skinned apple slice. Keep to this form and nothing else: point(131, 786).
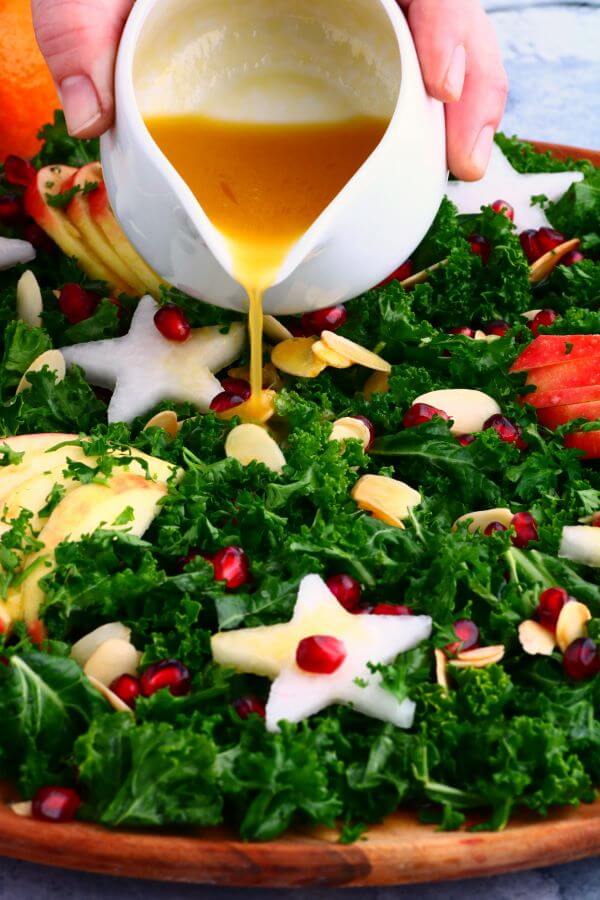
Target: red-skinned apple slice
point(553, 416)
point(551, 349)
point(563, 397)
point(577, 373)
point(92, 216)
point(54, 221)
point(586, 441)
point(102, 214)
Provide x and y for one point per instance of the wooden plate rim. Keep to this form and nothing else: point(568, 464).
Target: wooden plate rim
point(399, 851)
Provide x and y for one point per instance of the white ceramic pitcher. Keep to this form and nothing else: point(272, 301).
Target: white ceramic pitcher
point(276, 60)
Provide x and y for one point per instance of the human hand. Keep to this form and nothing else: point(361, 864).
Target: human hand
point(455, 41)
point(461, 64)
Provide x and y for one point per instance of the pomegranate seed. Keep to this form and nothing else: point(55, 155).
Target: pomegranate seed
point(168, 673)
point(505, 429)
point(465, 439)
point(581, 659)
point(570, 258)
point(127, 688)
point(329, 319)
point(37, 632)
point(294, 325)
point(420, 413)
point(320, 653)
point(544, 318)
point(238, 387)
point(11, 209)
point(549, 606)
point(504, 208)
point(172, 323)
point(481, 246)
point(498, 326)
point(467, 633)
point(595, 523)
point(232, 566)
point(224, 401)
point(525, 528)
point(464, 329)
point(55, 804)
point(346, 590)
point(38, 238)
point(399, 274)
point(245, 706)
point(530, 245)
point(371, 428)
point(548, 239)
point(18, 171)
point(76, 304)
point(390, 609)
point(493, 527)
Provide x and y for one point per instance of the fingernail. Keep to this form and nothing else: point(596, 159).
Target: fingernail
point(482, 148)
point(80, 102)
point(455, 76)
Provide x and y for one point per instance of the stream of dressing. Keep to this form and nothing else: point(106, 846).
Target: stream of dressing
point(263, 185)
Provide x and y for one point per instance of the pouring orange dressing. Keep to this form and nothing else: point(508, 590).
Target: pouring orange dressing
point(262, 185)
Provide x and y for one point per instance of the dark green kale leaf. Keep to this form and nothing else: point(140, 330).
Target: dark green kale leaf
point(22, 344)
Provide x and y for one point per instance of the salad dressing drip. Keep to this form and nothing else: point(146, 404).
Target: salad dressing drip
point(263, 185)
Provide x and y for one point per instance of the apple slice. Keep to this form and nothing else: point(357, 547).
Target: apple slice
point(540, 399)
point(33, 495)
point(586, 441)
point(82, 511)
point(550, 349)
point(54, 221)
point(101, 214)
point(553, 416)
point(577, 373)
point(36, 443)
point(12, 476)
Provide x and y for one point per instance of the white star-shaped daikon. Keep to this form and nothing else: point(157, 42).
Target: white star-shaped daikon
point(143, 367)
point(295, 694)
point(13, 252)
point(502, 182)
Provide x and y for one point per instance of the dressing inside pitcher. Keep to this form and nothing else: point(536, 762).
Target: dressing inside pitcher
point(283, 128)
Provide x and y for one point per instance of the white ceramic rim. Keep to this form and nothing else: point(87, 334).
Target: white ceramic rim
point(128, 109)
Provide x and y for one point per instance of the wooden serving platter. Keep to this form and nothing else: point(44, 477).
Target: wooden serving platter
point(398, 851)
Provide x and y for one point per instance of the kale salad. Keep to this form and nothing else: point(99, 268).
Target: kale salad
point(144, 564)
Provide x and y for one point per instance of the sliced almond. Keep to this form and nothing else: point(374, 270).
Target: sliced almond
point(480, 519)
point(250, 443)
point(468, 409)
point(52, 359)
point(89, 643)
point(388, 499)
point(114, 657)
point(535, 639)
point(330, 357)
point(441, 669)
point(354, 352)
point(295, 357)
point(274, 329)
point(29, 300)
point(530, 314)
point(543, 266)
point(349, 428)
point(167, 420)
point(571, 623)
point(480, 335)
point(478, 658)
point(423, 275)
point(114, 700)
point(22, 808)
point(377, 383)
point(581, 543)
point(256, 409)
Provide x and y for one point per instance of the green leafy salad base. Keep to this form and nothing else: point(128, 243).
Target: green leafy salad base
point(518, 733)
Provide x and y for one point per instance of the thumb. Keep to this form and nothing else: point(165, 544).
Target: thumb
point(79, 39)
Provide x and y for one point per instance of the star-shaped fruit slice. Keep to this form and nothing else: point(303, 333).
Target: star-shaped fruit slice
point(502, 182)
point(143, 367)
point(337, 646)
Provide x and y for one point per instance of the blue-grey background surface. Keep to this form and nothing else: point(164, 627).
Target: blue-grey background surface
point(552, 55)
